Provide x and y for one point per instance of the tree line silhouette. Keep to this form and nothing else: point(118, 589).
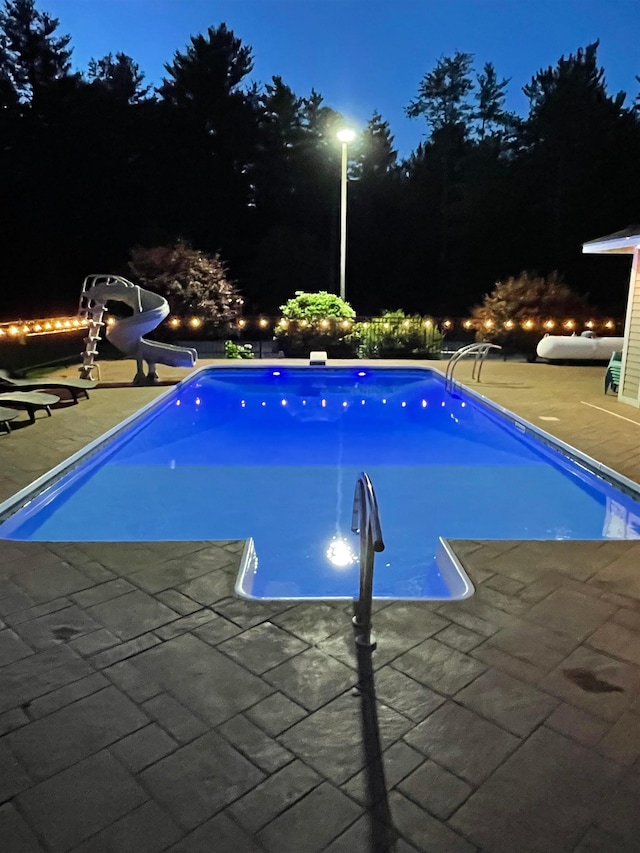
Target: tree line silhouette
point(95, 163)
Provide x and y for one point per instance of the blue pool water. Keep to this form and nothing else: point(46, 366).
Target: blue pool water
point(273, 454)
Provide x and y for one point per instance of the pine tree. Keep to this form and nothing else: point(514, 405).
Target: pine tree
point(32, 57)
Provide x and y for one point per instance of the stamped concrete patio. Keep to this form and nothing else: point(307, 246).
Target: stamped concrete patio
point(144, 707)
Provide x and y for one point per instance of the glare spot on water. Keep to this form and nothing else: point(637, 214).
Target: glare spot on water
point(340, 553)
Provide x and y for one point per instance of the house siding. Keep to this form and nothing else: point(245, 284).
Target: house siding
point(630, 379)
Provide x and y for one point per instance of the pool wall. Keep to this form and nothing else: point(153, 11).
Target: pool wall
point(447, 561)
point(453, 573)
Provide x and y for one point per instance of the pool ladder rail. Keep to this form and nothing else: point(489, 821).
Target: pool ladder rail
point(479, 352)
point(366, 521)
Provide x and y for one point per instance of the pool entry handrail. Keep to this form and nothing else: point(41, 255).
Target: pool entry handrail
point(478, 350)
point(366, 521)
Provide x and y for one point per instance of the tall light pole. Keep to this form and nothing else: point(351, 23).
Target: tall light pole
point(345, 136)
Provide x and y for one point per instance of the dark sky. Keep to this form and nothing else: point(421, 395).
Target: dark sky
point(365, 55)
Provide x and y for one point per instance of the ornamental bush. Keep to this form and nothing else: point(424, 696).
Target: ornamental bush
point(193, 283)
point(234, 350)
point(316, 321)
point(397, 335)
point(526, 298)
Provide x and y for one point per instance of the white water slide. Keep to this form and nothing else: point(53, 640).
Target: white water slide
point(126, 333)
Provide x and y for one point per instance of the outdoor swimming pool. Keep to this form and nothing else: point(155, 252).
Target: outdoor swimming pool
point(272, 454)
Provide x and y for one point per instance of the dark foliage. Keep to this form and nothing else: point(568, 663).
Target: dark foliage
point(94, 163)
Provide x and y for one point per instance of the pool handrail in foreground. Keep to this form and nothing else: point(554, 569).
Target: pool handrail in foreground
point(366, 521)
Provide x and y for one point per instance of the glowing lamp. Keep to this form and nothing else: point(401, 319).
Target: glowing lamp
point(346, 135)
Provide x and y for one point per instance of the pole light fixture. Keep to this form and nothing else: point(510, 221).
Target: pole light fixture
point(345, 136)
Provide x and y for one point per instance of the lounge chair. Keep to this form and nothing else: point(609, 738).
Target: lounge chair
point(612, 376)
point(29, 401)
point(7, 415)
point(74, 386)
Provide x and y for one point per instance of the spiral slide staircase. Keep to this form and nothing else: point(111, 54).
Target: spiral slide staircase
point(126, 333)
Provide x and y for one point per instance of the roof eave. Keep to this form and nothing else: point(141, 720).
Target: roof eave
point(617, 246)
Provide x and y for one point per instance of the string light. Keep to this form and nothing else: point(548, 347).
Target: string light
point(12, 329)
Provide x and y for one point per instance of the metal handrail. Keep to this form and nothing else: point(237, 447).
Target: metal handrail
point(366, 521)
point(479, 350)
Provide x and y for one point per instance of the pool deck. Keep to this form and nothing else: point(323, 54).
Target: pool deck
point(145, 708)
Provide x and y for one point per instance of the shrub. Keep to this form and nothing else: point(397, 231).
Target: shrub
point(234, 350)
point(522, 301)
point(316, 321)
point(397, 335)
point(193, 283)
